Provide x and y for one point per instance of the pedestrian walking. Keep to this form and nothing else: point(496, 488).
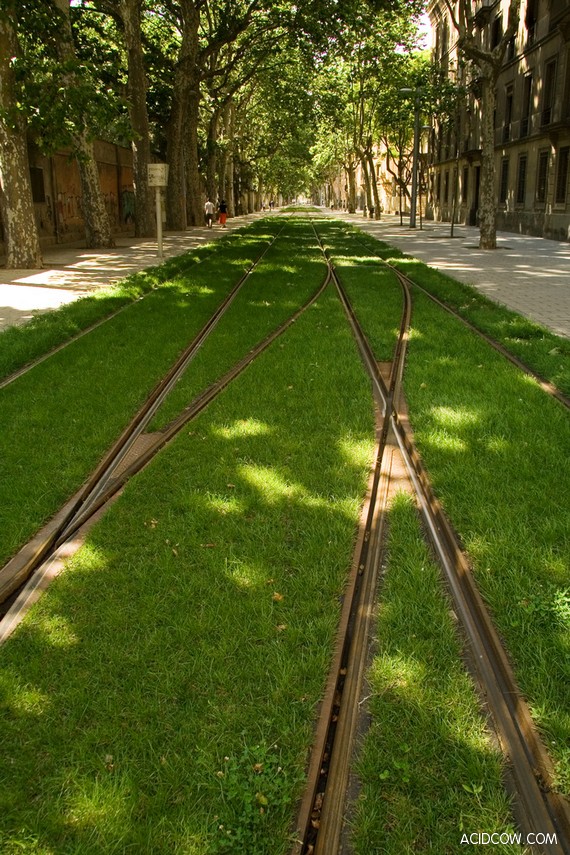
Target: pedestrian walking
point(223, 212)
point(209, 212)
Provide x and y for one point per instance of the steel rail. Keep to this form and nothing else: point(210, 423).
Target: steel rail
point(537, 806)
point(23, 563)
point(546, 385)
point(37, 581)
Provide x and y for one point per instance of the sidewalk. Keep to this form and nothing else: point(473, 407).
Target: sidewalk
point(530, 275)
point(72, 271)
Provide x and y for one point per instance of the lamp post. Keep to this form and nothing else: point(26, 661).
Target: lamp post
point(416, 153)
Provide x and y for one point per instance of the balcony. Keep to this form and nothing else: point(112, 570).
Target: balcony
point(483, 10)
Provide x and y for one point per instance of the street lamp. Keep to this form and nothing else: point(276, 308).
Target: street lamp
point(415, 157)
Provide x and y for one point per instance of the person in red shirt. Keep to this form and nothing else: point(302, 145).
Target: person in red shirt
point(223, 212)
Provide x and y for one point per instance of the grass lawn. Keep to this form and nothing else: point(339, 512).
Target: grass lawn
point(497, 449)
point(57, 420)
point(161, 696)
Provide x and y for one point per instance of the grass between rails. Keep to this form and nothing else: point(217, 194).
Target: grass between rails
point(57, 420)
point(497, 450)
point(288, 275)
point(428, 771)
point(540, 349)
point(161, 697)
point(20, 345)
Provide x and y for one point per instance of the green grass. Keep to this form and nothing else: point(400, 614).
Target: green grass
point(497, 451)
point(288, 275)
point(57, 420)
point(20, 345)
point(428, 771)
point(544, 352)
point(161, 697)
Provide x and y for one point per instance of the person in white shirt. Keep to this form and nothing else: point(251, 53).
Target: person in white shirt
point(209, 212)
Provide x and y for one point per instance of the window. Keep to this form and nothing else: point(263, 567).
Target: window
point(496, 31)
point(542, 175)
point(526, 105)
point(446, 187)
point(438, 193)
point(562, 176)
point(508, 113)
point(465, 187)
point(521, 179)
point(530, 19)
point(37, 182)
point(504, 184)
point(548, 97)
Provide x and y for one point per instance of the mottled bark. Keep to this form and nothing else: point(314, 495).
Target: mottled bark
point(374, 184)
point(488, 196)
point(182, 130)
point(351, 173)
point(193, 177)
point(366, 176)
point(16, 205)
point(489, 63)
point(97, 224)
point(212, 156)
point(145, 219)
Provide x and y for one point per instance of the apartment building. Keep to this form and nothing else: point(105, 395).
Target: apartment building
point(532, 120)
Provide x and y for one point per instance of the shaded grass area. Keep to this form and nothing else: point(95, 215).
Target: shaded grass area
point(288, 275)
point(57, 420)
point(161, 697)
point(428, 772)
point(540, 349)
point(20, 345)
point(373, 290)
point(497, 450)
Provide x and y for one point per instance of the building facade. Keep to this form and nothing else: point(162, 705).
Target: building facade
point(56, 192)
point(532, 121)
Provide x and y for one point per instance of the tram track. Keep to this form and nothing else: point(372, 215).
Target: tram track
point(130, 453)
point(546, 385)
point(322, 809)
point(528, 766)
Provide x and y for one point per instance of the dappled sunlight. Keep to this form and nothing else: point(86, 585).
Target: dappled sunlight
point(274, 488)
point(246, 575)
point(358, 453)
point(243, 428)
point(447, 442)
point(56, 631)
point(399, 674)
point(226, 506)
point(22, 700)
point(455, 417)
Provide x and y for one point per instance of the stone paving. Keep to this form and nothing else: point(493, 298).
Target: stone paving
point(528, 274)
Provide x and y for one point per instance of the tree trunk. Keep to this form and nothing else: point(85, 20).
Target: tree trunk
point(16, 205)
point(487, 203)
point(230, 172)
point(182, 130)
point(193, 177)
point(97, 224)
point(351, 172)
point(374, 184)
point(212, 156)
point(145, 220)
point(366, 176)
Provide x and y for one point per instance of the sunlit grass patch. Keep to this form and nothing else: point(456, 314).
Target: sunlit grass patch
point(428, 771)
point(205, 611)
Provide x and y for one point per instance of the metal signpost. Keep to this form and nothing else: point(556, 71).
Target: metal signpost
point(158, 177)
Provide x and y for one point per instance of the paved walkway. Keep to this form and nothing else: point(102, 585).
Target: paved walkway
point(528, 274)
point(72, 271)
